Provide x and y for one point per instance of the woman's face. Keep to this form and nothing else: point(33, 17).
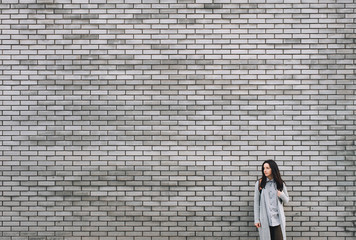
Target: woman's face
point(267, 170)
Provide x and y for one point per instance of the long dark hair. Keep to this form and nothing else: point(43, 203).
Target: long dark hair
point(276, 175)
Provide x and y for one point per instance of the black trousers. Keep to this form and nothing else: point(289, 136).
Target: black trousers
point(276, 233)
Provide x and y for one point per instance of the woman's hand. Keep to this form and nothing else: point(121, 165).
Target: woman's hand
point(258, 225)
point(279, 193)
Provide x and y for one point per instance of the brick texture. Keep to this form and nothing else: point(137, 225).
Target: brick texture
point(150, 119)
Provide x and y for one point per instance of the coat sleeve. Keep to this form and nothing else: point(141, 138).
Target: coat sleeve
point(256, 204)
point(284, 195)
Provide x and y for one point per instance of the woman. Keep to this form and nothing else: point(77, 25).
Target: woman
point(270, 194)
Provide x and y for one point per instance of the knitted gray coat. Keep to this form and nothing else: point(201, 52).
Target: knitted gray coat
point(260, 212)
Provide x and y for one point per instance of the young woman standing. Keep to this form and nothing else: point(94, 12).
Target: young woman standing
point(270, 194)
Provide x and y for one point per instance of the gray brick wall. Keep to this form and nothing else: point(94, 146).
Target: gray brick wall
point(149, 119)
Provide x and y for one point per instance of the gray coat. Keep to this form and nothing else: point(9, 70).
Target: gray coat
point(260, 212)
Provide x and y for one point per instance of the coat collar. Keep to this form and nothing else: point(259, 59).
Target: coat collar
point(268, 180)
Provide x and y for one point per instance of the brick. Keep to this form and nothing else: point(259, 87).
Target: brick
point(159, 115)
